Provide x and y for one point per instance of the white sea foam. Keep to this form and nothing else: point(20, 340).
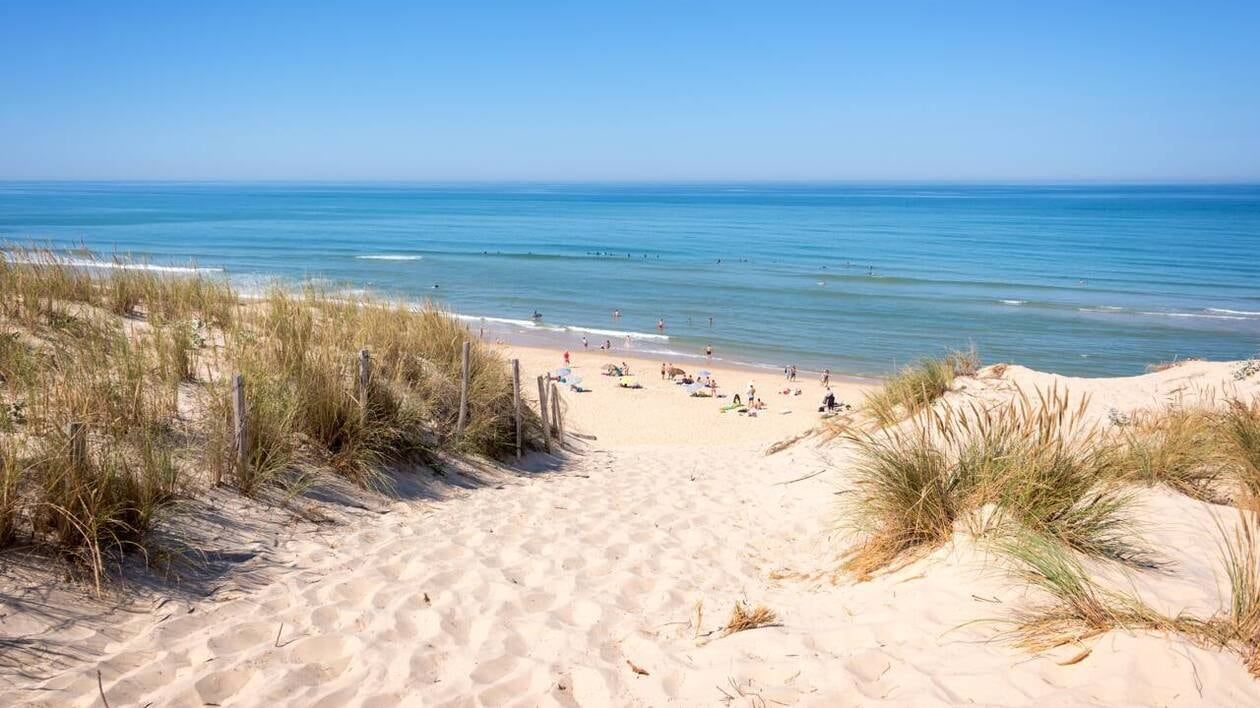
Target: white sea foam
point(620, 333)
point(1013, 302)
point(527, 324)
point(1194, 315)
point(112, 265)
point(1233, 312)
point(388, 257)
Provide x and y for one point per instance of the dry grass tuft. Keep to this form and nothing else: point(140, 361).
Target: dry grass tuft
point(1166, 365)
point(743, 618)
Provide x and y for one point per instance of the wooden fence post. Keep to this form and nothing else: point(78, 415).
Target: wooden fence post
point(516, 402)
point(78, 446)
point(542, 410)
point(365, 378)
point(556, 416)
point(465, 364)
point(240, 434)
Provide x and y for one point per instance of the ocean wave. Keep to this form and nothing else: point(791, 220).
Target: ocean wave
point(616, 334)
point(112, 265)
point(1233, 312)
point(388, 257)
point(527, 324)
point(619, 333)
point(1013, 302)
point(1194, 315)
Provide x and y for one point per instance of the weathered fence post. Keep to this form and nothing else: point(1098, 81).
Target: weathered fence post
point(240, 436)
point(557, 417)
point(465, 363)
point(516, 402)
point(78, 446)
point(365, 378)
point(542, 410)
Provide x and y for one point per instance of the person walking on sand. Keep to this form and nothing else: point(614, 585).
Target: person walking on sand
point(664, 368)
point(585, 344)
point(826, 377)
point(752, 393)
point(566, 358)
point(792, 375)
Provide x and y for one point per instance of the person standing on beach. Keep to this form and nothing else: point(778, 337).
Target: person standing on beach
point(708, 351)
point(792, 375)
point(584, 342)
point(664, 368)
point(566, 357)
point(826, 377)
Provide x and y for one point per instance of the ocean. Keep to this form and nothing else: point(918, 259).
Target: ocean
point(1078, 279)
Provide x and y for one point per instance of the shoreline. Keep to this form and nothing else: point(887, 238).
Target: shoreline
point(522, 334)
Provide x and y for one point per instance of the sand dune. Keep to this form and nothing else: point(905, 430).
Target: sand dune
point(606, 581)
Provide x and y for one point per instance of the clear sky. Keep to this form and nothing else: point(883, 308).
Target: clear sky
point(597, 90)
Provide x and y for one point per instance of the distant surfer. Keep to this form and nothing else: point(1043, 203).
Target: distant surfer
point(536, 316)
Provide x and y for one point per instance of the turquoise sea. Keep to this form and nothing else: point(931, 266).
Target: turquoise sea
point(1093, 279)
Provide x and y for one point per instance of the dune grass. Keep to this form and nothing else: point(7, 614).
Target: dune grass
point(1077, 607)
point(1179, 448)
point(1031, 464)
point(143, 359)
point(1239, 628)
point(917, 386)
point(1240, 428)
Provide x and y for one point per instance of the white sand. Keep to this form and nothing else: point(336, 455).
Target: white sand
point(545, 589)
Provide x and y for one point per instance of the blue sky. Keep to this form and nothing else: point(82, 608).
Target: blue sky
point(630, 91)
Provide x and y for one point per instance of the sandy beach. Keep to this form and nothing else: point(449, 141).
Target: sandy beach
point(604, 575)
point(661, 412)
